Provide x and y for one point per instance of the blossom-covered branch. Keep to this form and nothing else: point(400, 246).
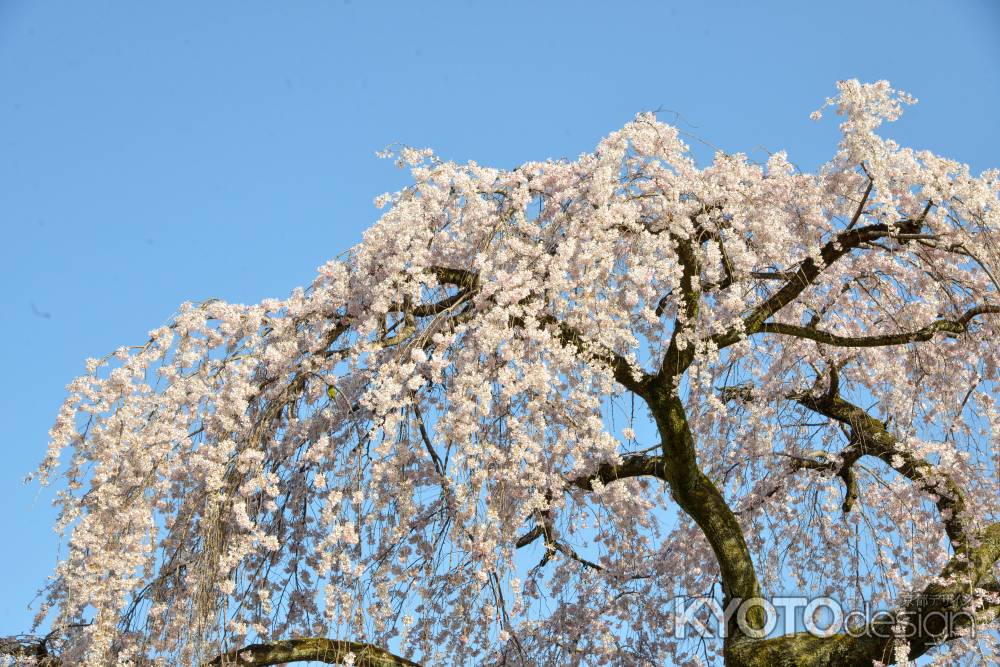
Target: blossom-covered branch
point(924, 333)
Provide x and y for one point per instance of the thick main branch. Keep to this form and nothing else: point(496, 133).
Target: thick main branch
point(319, 649)
point(305, 649)
point(701, 499)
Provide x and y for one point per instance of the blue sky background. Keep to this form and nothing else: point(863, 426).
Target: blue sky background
point(152, 153)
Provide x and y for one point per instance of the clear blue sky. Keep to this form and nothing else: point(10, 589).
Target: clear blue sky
point(152, 153)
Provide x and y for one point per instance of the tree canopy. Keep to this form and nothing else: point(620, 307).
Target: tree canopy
point(534, 407)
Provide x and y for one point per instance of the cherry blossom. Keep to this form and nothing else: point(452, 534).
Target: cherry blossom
point(533, 406)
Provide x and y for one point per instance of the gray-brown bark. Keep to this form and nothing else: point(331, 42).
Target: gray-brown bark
point(35, 651)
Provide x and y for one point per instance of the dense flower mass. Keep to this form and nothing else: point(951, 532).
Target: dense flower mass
point(535, 405)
